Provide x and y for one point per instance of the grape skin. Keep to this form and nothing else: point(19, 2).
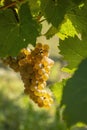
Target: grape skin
point(34, 67)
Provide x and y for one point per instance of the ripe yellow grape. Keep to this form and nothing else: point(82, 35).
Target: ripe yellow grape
point(46, 47)
point(41, 86)
point(37, 66)
point(39, 92)
point(33, 88)
point(39, 45)
point(48, 68)
point(45, 76)
point(46, 101)
point(34, 67)
point(41, 71)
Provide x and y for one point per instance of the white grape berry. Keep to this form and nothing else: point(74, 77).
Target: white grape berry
point(34, 67)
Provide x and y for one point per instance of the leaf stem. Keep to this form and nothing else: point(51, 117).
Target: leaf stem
point(8, 6)
point(42, 20)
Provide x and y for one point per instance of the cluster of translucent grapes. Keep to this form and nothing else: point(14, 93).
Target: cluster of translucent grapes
point(34, 67)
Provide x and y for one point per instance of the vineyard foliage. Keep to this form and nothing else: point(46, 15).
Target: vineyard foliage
point(21, 25)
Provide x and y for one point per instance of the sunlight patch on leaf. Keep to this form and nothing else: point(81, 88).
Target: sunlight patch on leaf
point(70, 71)
point(66, 29)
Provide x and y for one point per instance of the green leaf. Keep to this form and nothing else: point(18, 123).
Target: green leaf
point(34, 6)
point(54, 10)
point(51, 32)
point(14, 35)
point(73, 50)
point(57, 90)
point(77, 1)
point(29, 28)
point(78, 16)
point(66, 29)
point(75, 96)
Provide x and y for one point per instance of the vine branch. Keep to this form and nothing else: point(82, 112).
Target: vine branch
point(8, 6)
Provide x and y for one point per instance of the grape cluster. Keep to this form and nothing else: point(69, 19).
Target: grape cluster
point(34, 67)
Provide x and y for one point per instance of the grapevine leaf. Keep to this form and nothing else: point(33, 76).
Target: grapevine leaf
point(14, 35)
point(74, 51)
point(29, 27)
point(65, 30)
point(78, 16)
point(34, 6)
point(77, 1)
point(75, 96)
point(54, 11)
point(51, 32)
